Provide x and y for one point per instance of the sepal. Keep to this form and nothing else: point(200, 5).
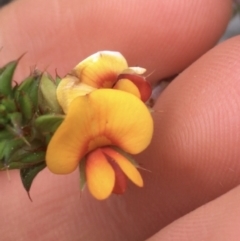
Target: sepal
point(6, 75)
point(28, 175)
point(48, 123)
point(30, 87)
point(47, 96)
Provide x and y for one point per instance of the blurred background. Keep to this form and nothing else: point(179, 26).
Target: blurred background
point(232, 30)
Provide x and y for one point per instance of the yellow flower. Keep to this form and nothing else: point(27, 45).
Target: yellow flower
point(103, 118)
point(104, 69)
point(106, 120)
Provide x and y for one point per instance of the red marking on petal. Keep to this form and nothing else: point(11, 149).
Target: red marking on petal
point(144, 87)
point(120, 184)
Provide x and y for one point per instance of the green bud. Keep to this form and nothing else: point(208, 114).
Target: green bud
point(47, 96)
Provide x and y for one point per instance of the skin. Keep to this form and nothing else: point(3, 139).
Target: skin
point(192, 190)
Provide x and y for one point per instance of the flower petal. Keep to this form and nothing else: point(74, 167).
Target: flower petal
point(101, 69)
point(103, 117)
point(134, 70)
point(127, 167)
point(100, 175)
point(69, 88)
point(143, 86)
point(120, 184)
point(128, 86)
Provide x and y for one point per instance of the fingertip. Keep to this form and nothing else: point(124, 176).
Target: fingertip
point(196, 132)
point(163, 37)
point(217, 220)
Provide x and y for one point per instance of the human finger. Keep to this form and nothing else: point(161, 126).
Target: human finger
point(164, 37)
point(217, 220)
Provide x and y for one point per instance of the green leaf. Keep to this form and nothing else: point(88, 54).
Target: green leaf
point(82, 171)
point(5, 135)
point(3, 121)
point(48, 123)
point(30, 87)
point(30, 157)
point(27, 160)
point(16, 119)
point(9, 105)
point(11, 146)
point(28, 175)
point(26, 107)
point(47, 96)
point(6, 78)
point(2, 150)
point(8, 148)
point(2, 110)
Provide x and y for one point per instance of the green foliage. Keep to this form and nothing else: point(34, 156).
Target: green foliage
point(47, 96)
point(48, 123)
point(28, 174)
point(29, 116)
point(6, 75)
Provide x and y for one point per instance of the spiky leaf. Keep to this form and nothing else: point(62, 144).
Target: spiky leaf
point(6, 78)
point(30, 87)
point(28, 174)
point(27, 160)
point(48, 123)
point(9, 104)
point(26, 107)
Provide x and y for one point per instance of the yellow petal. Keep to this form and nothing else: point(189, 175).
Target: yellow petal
point(101, 69)
point(140, 82)
point(127, 167)
point(103, 117)
point(100, 175)
point(69, 88)
point(128, 86)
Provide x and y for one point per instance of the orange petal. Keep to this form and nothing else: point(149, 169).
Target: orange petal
point(103, 117)
point(143, 86)
point(69, 88)
point(100, 175)
point(127, 167)
point(101, 69)
point(128, 86)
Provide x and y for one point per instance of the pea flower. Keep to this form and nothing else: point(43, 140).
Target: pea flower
point(106, 121)
point(105, 69)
